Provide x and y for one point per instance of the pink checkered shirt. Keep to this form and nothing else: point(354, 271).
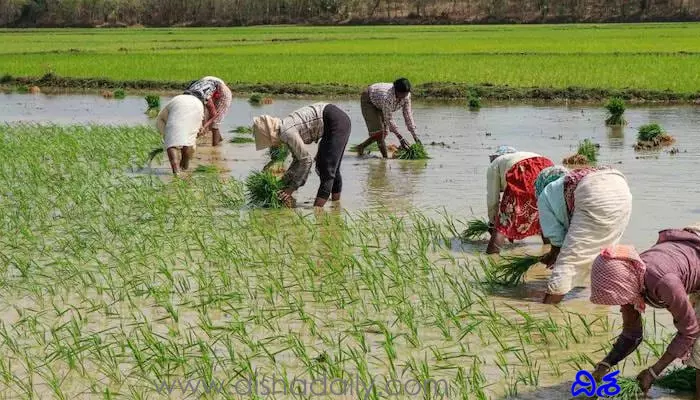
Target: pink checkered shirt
point(383, 97)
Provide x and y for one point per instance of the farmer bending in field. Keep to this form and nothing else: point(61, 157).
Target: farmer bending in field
point(661, 277)
point(378, 102)
point(180, 122)
point(318, 122)
point(515, 215)
point(581, 212)
point(216, 96)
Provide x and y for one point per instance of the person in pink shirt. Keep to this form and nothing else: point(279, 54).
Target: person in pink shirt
point(663, 277)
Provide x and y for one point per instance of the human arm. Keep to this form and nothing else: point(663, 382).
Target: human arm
point(390, 124)
point(162, 120)
point(626, 343)
point(298, 171)
point(493, 190)
point(408, 118)
point(212, 113)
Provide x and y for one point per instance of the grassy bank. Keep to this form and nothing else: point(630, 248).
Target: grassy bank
point(649, 61)
point(114, 285)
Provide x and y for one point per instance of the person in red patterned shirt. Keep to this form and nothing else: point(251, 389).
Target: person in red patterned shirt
point(378, 102)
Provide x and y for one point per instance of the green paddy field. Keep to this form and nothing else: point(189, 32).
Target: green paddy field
point(645, 60)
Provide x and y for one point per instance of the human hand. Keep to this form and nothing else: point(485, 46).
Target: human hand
point(600, 371)
point(285, 196)
point(645, 379)
point(404, 143)
point(415, 139)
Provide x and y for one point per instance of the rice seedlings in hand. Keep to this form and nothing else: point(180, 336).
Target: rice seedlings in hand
point(262, 189)
point(206, 169)
point(22, 89)
point(153, 101)
point(509, 270)
point(416, 151)
point(615, 107)
point(119, 94)
point(678, 379)
point(369, 149)
point(279, 153)
point(629, 389)
point(476, 229)
point(651, 136)
point(241, 140)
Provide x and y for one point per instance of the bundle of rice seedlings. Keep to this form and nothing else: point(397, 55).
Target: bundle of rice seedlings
point(678, 379)
point(615, 107)
point(255, 99)
point(474, 103)
point(241, 139)
point(262, 188)
point(476, 229)
point(153, 101)
point(629, 389)
point(206, 169)
point(509, 270)
point(651, 136)
point(243, 130)
point(279, 153)
point(22, 89)
point(416, 151)
point(588, 149)
point(119, 94)
point(369, 149)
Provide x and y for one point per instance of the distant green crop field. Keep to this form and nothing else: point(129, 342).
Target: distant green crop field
point(639, 56)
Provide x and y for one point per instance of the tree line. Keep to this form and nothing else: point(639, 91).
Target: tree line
point(65, 13)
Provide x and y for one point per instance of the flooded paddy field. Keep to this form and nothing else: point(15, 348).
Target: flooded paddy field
point(115, 278)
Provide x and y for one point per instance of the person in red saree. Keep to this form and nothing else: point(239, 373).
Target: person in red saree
point(663, 276)
point(512, 216)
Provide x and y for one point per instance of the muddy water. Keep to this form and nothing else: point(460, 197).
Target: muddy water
point(663, 185)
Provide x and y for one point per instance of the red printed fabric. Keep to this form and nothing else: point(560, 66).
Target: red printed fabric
point(571, 181)
point(518, 217)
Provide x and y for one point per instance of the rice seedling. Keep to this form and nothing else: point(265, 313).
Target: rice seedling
point(255, 99)
point(374, 147)
point(243, 130)
point(680, 379)
point(119, 94)
point(278, 154)
point(22, 89)
point(652, 136)
point(416, 151)
point(476, 229)
point(262, 189)
point(509, 270)
point(153, 101)
point(589, 150)
point(206, 169)
point(629, 389)
point(474, 103)
point(616, 109)
point(241, 140)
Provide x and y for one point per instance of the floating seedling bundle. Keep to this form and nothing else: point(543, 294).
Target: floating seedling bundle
point(262, 188)
point(153, 101)
point(652, 136)
point(587, 153)
point(476, 229)
point(509, 270)
point(241, 140)
point(243, 130)
point(416, 151)
point(616, 108)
